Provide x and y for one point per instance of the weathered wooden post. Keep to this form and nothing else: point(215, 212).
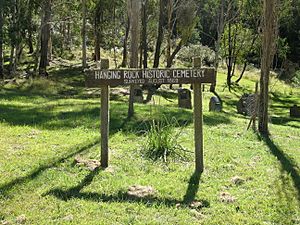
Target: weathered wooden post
point(198, 122)
point(104, 117)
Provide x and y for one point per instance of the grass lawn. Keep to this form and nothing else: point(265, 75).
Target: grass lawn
point(46, 124)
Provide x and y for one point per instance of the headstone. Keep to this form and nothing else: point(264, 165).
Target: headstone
point(246, 104)
point(215, 104)
point(184, 98)
point(295, 111)
point(138, 95)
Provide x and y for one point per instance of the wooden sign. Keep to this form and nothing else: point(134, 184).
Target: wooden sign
point(98, 77)
point(104, 78)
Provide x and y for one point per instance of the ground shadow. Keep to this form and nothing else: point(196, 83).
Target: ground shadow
point(284, 121)
point(287, 102)
point(35, 173)
point(288, 165)
point(69, 75)
point(47, 117)
point(193, 188)
point(122, 196)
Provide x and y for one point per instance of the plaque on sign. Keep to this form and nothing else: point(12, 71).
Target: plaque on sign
point(98, 77)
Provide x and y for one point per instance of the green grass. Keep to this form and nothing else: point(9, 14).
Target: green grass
point(43, 128)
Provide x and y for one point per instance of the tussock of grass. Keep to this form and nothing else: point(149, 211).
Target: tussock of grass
point(162, 141)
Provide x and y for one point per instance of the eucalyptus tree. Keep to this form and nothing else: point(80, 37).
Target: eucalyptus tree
point(45, 36)
point(134, 7)
point(239, 40)
point(270, 29)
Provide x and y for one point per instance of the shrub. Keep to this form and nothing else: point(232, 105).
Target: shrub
point(189, 52)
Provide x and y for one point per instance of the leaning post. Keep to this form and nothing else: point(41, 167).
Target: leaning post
point(198, 122)
point(104, 114)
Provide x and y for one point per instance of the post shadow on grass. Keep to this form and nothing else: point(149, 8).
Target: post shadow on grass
point(287, 164)
point(36, 172)
point(193, 188)
point(122, 196)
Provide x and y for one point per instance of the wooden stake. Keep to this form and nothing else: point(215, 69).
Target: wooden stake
point(198, 123)
point(104, 118)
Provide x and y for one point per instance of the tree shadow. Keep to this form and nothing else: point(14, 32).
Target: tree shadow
point(53, 116)
point(287, 164)
point(287, 101)
point(36, 172)
point(69, 75)
point(214, 119)
point(122, 196)
point(284, 121)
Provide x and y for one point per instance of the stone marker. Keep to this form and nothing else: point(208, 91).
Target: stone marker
point(184, 98)
point(138, 95)
point(295, 111)
point(215, 104)
point(246, 104)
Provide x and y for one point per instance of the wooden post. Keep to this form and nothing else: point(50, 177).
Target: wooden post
point(198, 122)
point(104, 118)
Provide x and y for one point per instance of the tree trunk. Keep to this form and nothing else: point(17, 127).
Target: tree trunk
point(144, 46)
point(97, 32)
point(160, 34)
point(13, 40)
point(30, 29)
point(18, 47)
point(69, 35)
point(229, 57)
point(30, 42)
point(170, 12)
point(50, 49)
point(134, 9)
point(1, 41)
point(97, 38)
point(242, 73)
point(268, 51)
point(37, 52)
point(125, 49)
point(219, 35)
point(84, 64)
point(45, 36)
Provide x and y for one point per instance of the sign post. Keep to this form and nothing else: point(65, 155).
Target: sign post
point(104, 78)
point(198, 122)
point(104, 118)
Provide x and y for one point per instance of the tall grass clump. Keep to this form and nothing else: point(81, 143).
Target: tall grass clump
point(162, 141)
